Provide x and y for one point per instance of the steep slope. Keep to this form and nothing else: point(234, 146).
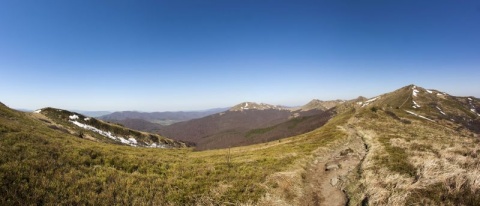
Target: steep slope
point(413, 154)
point(162, 118)
point(96, 130)
point(43, 165)
point(379, 151)
point(422, 149)
point(224, 129)
point(432, 105)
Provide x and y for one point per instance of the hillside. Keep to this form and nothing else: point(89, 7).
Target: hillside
point(43, 165)
point(245, 124)
point(320, 105)
point(423, 146)
point(412, 146)
point(99, 131)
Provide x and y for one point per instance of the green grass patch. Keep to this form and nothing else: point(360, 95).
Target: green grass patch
point(396, 159)
point(40, 165)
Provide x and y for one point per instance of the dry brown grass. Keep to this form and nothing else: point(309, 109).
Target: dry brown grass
point(418, 163)
point(289, 186)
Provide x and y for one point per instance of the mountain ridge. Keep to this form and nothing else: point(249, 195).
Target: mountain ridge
point(97, 130)
point(411, 146)
point(255, 106)
point(164, 118)
point(247, 123)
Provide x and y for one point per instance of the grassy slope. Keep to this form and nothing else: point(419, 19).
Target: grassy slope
point(412, 161)
point(41, 165)
point(61, 118)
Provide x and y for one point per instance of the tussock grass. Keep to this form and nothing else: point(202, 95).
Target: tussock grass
point(41, 165)
point(420, 163)
point(395, 159)
point(287, 187)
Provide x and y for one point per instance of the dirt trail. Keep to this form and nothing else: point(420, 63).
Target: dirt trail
point(326, 175)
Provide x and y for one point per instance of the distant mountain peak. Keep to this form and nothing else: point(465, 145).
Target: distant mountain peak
point(417, 90)
point(429, 104)
point(321, 105)
point(254, 106)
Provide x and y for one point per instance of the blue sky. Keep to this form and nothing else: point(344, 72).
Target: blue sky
point(200, 54)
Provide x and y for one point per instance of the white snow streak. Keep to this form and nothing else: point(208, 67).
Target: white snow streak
point(415, 105)
point(371, 100)
point(415, 92)
point(101, 132)
point(130, 141)
point(474, 111)
point(37, 111)
point(154, 145)
point(366, 103)
point(440, 110)
point(413, 113)
point(472, 106)
point(429, 91)
point(74, 116)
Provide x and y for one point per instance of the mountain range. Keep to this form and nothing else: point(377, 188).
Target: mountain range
point(411, 146)
point(162, 118)
point(243, 124)
point(248, 123)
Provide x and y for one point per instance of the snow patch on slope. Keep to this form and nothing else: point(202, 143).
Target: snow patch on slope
point(154, 145)
point(472, 106)
point(366, 103)
point(130, 141)
point(415, 91)
point(73, 117)
point(37, 111)
point(423, 117)
point(255, 106)
point(415, 105)
point(371, 100)
point(440, 110)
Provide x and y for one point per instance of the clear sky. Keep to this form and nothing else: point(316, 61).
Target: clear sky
point(187, 55)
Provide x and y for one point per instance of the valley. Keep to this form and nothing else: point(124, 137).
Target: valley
point(239, 103)
point(411, 146)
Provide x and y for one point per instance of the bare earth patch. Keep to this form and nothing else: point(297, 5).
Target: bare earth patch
point(326, 178)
